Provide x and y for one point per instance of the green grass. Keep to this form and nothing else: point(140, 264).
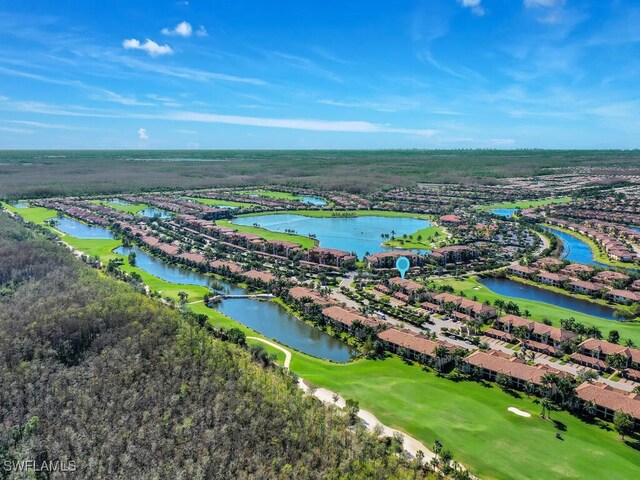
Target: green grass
point(32, 214)
point(473, 422)
point(132, 209)
point(526, 203)
point(432, 234)
point(217, 203)
point(273, 194)
point(304, 242)
point(539, 310)
point(340, 213)
point(599, 254)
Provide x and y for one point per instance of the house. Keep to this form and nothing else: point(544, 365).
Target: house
point(413, 345)
point(622, 296)
point(453, 254)
point(495, 362)
point(345, 319)
point(548, 263)
point(388, 259)
point(331, 256)
point(574, 270)
point(609, 400)
point(411, 288)
point(450, 219)
point(587, 288)
point(221, 265)
point(521, 271)
point(538, 337)
point(306, 295)
point(601, 349)
point(477, 310)
point(608, 277)
point(258, 276)
point(549, 278)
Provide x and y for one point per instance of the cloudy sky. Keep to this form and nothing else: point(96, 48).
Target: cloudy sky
point(320, 74)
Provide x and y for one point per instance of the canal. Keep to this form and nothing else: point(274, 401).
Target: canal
point(265, 317)
point(512, 288)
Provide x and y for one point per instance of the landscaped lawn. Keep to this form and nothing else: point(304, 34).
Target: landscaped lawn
point(540, 310)
point(432, 234)
point(526, 203)
point(301, 240)
point(273, 194)
point(473, 422)
point(32, 214)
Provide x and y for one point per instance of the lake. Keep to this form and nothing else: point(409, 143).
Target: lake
point(154, 212)
point(351, 234)
point(266, 317)
point(504, 212)
point(82, 230)
point(574, 249)
point(314, 200)
point(511, 288)
point(118, 201)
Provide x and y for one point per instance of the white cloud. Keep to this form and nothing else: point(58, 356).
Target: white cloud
point(149, 46)
point(297, 124)
point(356, 126)
point(142, 134)
point(202, 32)
point(183, 29)
point(474, 5)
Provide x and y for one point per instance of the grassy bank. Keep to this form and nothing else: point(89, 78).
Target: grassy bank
point(539, 310)
point(429, 237)
point(273, 194)
point(599, 255)
point(526, 203)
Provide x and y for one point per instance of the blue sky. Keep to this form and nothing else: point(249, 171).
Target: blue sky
point(320, 74)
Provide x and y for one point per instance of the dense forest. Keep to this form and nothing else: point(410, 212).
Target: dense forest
point(96, 375)
point(47, 173)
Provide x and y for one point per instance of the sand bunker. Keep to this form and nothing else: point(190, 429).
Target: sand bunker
point(519, 412)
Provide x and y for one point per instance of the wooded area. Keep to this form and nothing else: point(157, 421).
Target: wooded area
point(47, 173)
point(95, 373)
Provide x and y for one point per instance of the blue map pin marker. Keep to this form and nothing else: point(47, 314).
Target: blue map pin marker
point(402, 264)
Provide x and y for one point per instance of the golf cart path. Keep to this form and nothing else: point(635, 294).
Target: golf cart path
point(410, 444)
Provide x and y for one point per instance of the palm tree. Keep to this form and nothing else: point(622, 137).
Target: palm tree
point(440, 353)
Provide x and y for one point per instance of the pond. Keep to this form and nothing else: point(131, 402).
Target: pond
point(351, 234)
point(82, 230)
point(118, 201)
point(574, 249)
point(512, 288)
point(266, 317)
point(313, 200)
point(154, 212)
point(21, 205)
point(504, 212)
